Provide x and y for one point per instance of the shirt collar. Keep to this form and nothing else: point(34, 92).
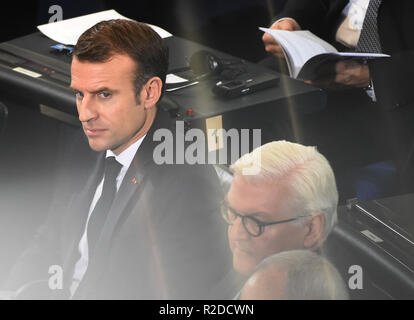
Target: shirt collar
point(126, 156)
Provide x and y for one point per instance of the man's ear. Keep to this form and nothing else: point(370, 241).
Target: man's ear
point(151, 92)
point(314, 237)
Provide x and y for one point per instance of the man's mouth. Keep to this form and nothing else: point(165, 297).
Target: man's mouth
point(93, 132)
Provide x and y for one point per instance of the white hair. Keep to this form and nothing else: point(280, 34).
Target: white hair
point(302, 169)
point(309, 276)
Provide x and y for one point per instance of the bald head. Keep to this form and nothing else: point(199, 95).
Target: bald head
point(295, 275)
point(265, 284)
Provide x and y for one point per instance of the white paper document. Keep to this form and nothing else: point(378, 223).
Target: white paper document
point(174, 79)
point(68, 31)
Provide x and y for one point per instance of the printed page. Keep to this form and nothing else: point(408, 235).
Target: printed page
point(299, 46)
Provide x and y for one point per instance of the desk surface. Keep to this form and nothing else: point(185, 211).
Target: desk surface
point(33, 52)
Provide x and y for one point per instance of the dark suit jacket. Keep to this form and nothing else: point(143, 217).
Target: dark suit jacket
point(391, 76)
point(163, 237)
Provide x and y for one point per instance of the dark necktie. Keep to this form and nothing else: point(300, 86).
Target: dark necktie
point(102, 207)
point(369, 38)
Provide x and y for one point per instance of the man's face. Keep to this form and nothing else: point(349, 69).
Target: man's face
point(106, 102)
point(267, 203)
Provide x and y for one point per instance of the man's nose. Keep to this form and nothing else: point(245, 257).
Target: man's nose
point(86, 109)
point(238, 229)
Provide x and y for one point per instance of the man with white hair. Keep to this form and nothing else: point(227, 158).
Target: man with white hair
point(295, 275)
point(283, 197)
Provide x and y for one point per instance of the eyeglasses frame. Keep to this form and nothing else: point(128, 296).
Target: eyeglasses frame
point(261, 224)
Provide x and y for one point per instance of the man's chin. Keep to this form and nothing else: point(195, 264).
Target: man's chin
point(97, 147)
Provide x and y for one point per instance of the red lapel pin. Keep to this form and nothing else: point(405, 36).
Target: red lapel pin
point(134, 181)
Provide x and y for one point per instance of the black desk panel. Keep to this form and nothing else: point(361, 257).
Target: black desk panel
point(378, 236)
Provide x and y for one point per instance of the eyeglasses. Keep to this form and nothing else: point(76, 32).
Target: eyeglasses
point(252, 225)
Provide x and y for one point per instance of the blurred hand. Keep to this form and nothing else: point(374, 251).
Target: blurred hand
point(271, 45)
point(348, 73)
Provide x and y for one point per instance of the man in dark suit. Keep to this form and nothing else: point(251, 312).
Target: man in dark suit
point(327, 19)
point(136, 229)
point(369, 110)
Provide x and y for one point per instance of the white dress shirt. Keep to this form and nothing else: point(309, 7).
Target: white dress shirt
point(124, 158)
point(353, 19)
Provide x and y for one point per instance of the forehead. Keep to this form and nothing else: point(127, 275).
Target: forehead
point(114, 72)
point(268, 199)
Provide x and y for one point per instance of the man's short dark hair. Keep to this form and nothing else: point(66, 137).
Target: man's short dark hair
point(135, 39)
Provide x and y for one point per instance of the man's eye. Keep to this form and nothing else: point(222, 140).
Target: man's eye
point(104, 94)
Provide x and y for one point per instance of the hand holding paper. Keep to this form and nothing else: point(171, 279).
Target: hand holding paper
point(314, 60)
point(271, 45)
